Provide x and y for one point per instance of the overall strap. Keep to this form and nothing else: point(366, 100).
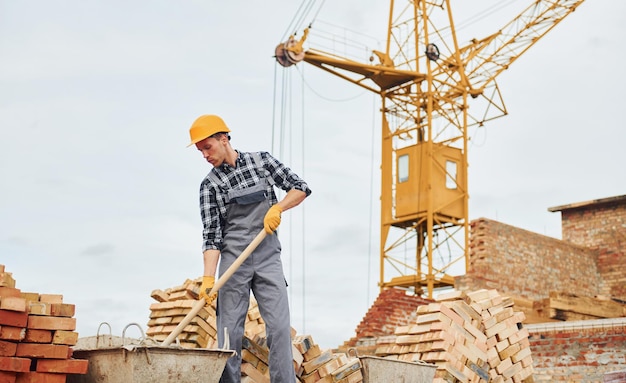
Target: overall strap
point(263, 173)
point(220, 184)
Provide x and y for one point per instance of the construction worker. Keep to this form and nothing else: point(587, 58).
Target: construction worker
point(237, 201)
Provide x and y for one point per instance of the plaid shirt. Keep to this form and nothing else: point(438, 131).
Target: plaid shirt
point(213, 197)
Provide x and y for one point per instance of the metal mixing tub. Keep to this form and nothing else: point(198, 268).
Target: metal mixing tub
point(142, 363)
point(381, 370)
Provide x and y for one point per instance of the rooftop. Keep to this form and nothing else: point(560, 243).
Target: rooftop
point(595, 202)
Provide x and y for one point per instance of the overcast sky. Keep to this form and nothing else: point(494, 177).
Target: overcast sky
point(99, 191)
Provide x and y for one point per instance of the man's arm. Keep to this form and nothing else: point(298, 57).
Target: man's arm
point(210, 261)
point(293, 198)
point(272, 218)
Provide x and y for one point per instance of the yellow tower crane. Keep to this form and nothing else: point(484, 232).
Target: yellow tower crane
point(427, 82)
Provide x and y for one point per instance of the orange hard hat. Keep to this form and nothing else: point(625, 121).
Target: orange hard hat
point(205, 126)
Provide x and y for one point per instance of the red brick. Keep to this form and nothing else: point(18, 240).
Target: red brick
point(13, 304)
point(40, 377)
point(12, 333)
point(9, 292)
point(40, 350)
point(38, 336)
point(6, 279)
point(62, 310)
point(65, 337)
point(38, 308)
point(13, 318)
point(51, 323)
point(7, 348)
point(67, 366)
point(14, 364)
point(51, 298)
point(7, 377)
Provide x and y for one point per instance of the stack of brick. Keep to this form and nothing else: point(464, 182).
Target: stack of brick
point(311, 364)
point(324, 366)
point(471, 337)
point(172, 306)
point(36, 336)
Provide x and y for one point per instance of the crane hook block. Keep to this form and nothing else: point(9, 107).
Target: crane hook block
point(286, 55)
point(291, 52)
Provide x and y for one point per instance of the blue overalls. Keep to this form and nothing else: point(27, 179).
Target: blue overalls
point(262, 273)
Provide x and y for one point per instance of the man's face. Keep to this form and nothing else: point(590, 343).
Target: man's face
point(213, 149)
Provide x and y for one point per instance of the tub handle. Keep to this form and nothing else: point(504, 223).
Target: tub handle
point(143, 336)
point(132, 347)
point(98, 335)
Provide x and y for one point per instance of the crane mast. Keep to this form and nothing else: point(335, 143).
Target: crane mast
point(427, 82)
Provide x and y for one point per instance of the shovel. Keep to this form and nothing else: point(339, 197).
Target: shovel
point(220, 282)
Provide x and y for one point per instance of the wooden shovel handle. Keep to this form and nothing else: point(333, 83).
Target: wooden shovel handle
point(220, 282)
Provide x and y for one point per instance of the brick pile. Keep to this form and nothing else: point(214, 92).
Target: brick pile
point(37, 332)
point(325, 366)
point(172, 305)
point(311, 363)
point(470, 337)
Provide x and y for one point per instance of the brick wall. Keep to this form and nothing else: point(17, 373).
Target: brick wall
point(521, 263)
point(581, 352)
point(392, 308)
point(589, 261)
point(601, 227)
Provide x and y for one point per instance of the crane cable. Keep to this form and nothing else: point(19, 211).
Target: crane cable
point(285, 112)
point(279, 129)
point(305, 8)
point(298, 21)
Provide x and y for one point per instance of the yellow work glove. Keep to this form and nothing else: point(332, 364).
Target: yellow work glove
point(272, 219)
point(207, 284)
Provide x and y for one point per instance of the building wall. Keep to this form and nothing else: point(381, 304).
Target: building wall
point(392, 308)
point(589, 261)
point(601, 227)
point(521, 263)
point(584, 351)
